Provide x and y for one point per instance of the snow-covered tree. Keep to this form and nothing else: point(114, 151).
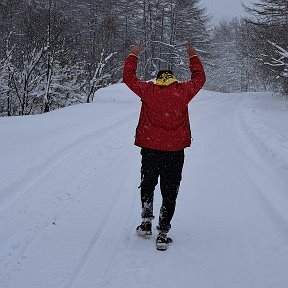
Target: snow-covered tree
point(5, 100)
point(281, 61)
point(164, 28)
point(70, 36)
point(100, 76)
point(66, 85)
point(26, 81)
point(269, 19)
point(225, 73)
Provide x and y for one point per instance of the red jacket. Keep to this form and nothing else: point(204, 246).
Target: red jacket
point(164, 119)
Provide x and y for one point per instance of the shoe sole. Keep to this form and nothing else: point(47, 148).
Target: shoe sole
point(143, 233)
point(161, 246)
point(164, 246)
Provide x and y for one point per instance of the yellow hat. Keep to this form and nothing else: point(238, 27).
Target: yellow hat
point(165, 78)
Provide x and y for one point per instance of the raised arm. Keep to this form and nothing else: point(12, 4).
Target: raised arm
point(129, 74)
point(198, 77)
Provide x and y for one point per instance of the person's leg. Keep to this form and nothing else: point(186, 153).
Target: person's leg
point(149, 179)
point(170, 178)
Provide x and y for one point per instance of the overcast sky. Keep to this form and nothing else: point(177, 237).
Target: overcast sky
point(224, 9)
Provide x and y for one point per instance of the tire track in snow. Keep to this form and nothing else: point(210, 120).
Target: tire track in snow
point(97, 258)
point(277, 156)
point(18, 188)
point(41, 224)
point(269, 177)
point(277, 227)
point(264, 202)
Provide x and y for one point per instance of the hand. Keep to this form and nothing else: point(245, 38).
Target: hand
point(190, 50)
point(136, 49)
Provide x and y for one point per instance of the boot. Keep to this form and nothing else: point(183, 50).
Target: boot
point(145, 229)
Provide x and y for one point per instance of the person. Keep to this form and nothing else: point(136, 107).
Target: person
point(163, 132)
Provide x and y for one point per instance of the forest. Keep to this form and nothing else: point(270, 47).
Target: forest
point(58, 53)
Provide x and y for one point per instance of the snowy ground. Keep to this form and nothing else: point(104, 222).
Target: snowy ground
point(69, 202)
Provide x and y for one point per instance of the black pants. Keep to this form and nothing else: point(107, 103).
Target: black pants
point(168, 165)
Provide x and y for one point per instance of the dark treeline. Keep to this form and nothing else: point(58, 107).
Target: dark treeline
point(57, 53)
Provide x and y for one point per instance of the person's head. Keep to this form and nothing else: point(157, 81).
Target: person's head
point(165, 77)
point(161, 73)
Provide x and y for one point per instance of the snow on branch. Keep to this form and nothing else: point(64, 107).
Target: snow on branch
point(282, 61)
point(99, 75)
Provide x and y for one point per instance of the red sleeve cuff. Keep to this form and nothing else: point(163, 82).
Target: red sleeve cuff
point(131, 54)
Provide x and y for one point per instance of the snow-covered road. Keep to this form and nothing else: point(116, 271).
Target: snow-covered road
point(70, 203)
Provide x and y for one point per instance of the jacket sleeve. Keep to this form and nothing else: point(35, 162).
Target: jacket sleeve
point(130, 79)
point(198, 78)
